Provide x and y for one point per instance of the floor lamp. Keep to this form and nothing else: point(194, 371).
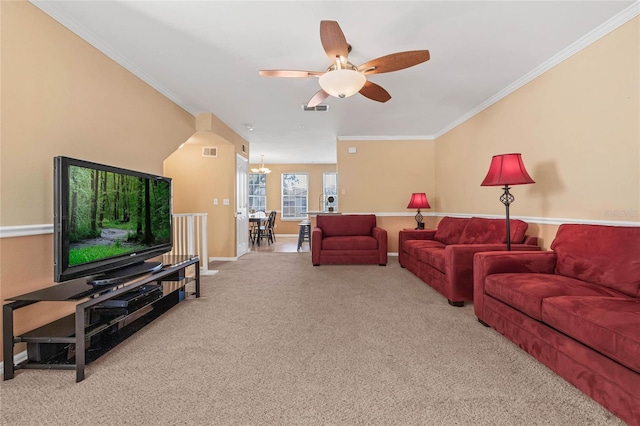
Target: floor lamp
point(505, 170)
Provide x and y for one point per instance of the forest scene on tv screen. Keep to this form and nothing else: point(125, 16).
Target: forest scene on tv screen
point(112, 214)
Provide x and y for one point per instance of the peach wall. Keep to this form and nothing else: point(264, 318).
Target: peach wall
point(274, 193)
point(382, 174)
point(26, 265)
point(61, 96)
point(380, 178)
point(578, 129)
point(197, 180)
point(207, 122)
point(576, 125)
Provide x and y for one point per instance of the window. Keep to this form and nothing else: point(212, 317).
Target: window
point(257, 191)
point(295, 195)
point(330, 189)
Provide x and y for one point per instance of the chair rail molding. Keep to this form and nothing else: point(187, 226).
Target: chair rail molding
point(43, 229)
point(25, 230)
point(549, 220)
point(530, 219)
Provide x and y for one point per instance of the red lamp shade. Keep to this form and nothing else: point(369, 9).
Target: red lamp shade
point(507, 169)
point(418, 201)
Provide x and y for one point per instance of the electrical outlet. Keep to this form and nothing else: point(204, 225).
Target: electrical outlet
point(215, 201)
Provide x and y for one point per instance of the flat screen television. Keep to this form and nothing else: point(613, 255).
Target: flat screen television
point(108, 221)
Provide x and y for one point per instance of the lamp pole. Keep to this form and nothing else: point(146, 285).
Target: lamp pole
point(507, 169)
point(507, 198)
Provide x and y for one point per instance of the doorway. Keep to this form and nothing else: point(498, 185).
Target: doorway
point(242, 201)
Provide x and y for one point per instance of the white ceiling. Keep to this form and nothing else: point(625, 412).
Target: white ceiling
point(205, 56)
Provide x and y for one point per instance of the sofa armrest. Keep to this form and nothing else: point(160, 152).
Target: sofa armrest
point(411, 234)
point(488, 263)
point(316, 244)
point(380, 235)
point(459, 265)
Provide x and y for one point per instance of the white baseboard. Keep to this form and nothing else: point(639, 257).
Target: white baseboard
point(17, 359)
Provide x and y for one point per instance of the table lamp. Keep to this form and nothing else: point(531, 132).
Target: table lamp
point(419, 201)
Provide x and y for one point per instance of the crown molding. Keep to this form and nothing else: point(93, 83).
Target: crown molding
point(387, 138)
point(50, 8)
point(597, 33)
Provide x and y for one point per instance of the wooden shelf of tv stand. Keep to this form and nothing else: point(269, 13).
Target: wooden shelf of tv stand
point(74, 330)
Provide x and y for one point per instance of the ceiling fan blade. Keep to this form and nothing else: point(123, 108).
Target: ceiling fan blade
point(290, 73)
point(320, 96)
point(333, 40)
point(395, 62)
point(375, 92)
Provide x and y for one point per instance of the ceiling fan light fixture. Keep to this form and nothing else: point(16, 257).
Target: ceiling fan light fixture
point(342, 83)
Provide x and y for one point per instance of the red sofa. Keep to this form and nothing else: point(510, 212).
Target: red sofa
point(348, 239)
point(443, 258)
point(576, 309)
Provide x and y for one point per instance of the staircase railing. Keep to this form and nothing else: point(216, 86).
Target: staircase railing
point(190, 237)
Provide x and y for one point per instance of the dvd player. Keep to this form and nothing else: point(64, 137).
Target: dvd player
point(136, 297)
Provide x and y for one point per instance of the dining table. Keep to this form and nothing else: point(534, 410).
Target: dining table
point(256, 223)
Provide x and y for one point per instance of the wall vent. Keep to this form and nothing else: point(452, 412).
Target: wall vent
point(320, 107)
point(209, 151)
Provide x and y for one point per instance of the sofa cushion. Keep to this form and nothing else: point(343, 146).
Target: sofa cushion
point(413, 247)
point(433, 256)
point(605, 255)
point(355, 242)
point(526, 291)
point(346, 224)
point(492, 231)
point(450, 229)
point(607, 324)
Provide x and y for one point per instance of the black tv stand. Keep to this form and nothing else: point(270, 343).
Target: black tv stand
point(105, 315)
point(125, 274)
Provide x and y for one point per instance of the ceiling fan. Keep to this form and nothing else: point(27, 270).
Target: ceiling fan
point(342, 78)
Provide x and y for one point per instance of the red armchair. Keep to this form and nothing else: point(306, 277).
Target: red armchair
point(348, 239)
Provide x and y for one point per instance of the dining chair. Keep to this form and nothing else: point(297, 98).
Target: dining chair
point(253, 225)
point(253, 232)
point(267, 230)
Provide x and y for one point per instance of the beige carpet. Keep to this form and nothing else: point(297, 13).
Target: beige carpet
point(276, 341)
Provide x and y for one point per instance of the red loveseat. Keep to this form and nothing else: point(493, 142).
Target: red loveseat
point(576, 309)
point(443, 258)
point(348, 239)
